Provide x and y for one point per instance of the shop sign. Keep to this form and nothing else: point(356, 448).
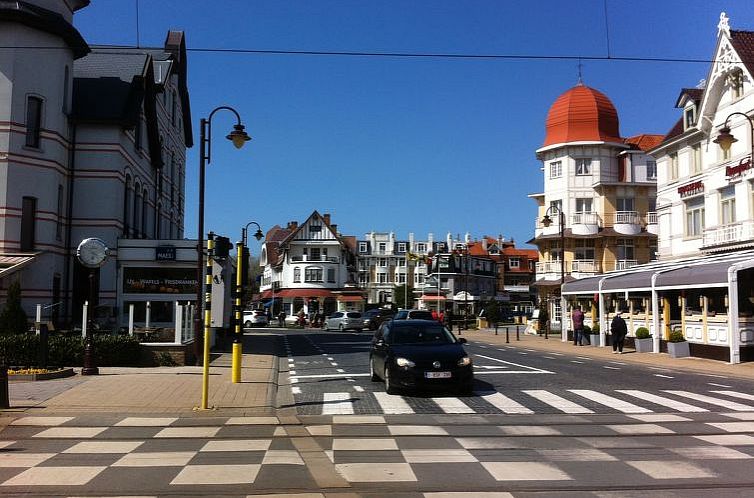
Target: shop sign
point(691, 189)
point(165, 253)
point(158, 280)
point(732, 172)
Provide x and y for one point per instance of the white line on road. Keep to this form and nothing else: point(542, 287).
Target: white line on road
point(609, 401)
point(719, 385)
point(391, 404)
point(611, 368)
point(539, 370)
point(731, 405)
point(296, 390)
point(337, 403)
point(659, 400)
point(736, 394)
point(556, 401)
point(576, 361)
point(664, 376)
point(358, 389)
point(452, 405)
point(504, 403)
point(326, 376)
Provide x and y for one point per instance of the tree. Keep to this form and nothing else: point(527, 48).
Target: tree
point(399, 296)
point(492, 312)
point(13, 319)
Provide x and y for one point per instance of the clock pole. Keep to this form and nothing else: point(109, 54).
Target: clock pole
point(92, 253)
point(90, 367)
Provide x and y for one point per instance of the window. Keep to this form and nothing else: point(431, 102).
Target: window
point(401, 278)
point(401, 247)
point(137, 210)
point(127, 202)
point(315, 254)
point(297, 274)
point(382, 247)
point(736, 82)
point(144, 211)
point(651, 170)
point(728, 205)
point(421, 247)
point(696, 159)
point(584, 205)
point(362, 247)
point(695, 217)
point(673, 166)
point(401, 262)
point(624, 249)
point(28, 223)
point(314, 230)
point(583, 167)
point(689, 117)
point(313, 274)
point(382, 263)
point(556, 208)
point(381, 278)
point(514, 263)
point(583, 249)
point(33, 121)
point(331, 275)
point(556, 169)
point(624, 204)
point(59, 221)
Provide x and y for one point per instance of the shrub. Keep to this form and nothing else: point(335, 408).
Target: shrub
point(643, 333)
point(23, 350)
point(676, 336)
point(13, 319)
point(587, 329)
point(596, 328)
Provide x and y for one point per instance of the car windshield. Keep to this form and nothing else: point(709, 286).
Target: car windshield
point(421, 315)
point(417, 334)
point(401, 315)
point(353, 314)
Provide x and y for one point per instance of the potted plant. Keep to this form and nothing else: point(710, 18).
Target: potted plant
point(677, 345)
point(585, 334)
point(643, 341)
point(594, 335)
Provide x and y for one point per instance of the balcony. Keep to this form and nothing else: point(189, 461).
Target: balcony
point(652, 225)
point(585, 223)
point(721, 238)
point(309, 259)
point(624, 264)
point(584, 267)
point(516, 288)
point(627, 222)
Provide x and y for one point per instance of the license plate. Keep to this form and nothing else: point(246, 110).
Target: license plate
point(437, 375)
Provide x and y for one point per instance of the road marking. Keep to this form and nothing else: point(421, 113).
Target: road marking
point(609, 401)
point(391, 404)
point(337, 403)
point(452, 405)
point(521, 352)
point(664, 376)
point(327, 376)
point(296, 390)
point(339, 370)
point(490, 367)
point(358, 389)
point(333, 364)
point(549, 357)
point(659, 400)
point(562, 404)
point(504, 403)
point(528, 369)
point(731, 405)
point(292, 372)
point(736, 394)
point(611, 368)
point(576, 361)
point(720, 385)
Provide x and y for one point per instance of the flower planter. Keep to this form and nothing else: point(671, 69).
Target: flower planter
point(678, 349)
point(594, 339)
point(644, 345)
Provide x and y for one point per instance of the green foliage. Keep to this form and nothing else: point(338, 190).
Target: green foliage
point(165, 359)
point(493, 312)
point(596, 328)
point(400, 292)
point(587, 329)
point(643, 333)
point(676, 336)
point(544, 316)
point(22, 350)
point(13, 319)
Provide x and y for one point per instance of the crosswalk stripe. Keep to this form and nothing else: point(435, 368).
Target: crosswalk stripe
point(614, 403)
point(735, 394)
point(504, 403)
point(731, 405)
point(337, 404)
point(452, 405)
point(556, 401)
point(391, 404)
point(659, 400)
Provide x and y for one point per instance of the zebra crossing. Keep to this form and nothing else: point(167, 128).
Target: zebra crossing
point(527, 402)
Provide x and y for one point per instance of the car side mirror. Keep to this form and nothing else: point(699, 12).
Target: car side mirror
point(462, 340)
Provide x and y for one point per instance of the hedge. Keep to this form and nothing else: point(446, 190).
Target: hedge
point(109, 351)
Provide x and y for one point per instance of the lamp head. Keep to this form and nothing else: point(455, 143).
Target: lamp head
point(547, 221)
point(725, 139)
point(258, 235)
point(238, 136)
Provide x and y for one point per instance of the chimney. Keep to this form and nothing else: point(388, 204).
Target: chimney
point(292, 225)
point(484, 243)
point(334, 229)
point(326, 216)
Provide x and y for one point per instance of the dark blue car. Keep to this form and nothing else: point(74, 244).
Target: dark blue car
point(417, 354)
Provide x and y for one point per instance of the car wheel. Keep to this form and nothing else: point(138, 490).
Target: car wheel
point(247, 324)
point(389, 387)
point(372, 374)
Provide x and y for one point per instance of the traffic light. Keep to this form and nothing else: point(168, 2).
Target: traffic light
point(222, 248)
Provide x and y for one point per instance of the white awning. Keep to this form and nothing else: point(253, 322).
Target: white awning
point(11, 263)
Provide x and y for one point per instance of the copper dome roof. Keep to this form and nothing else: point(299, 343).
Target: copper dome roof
point(582, 114)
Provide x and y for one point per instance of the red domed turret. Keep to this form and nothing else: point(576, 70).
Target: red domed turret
point(582, 114)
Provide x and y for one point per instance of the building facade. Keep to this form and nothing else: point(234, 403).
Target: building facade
point(92, 144)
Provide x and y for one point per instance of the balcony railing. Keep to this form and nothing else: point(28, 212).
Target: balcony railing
point(548, 267)
point(585, 266)
point(306, 258)
point(729, 234)
point(652, 218)
point(587, 218)
point(625, 264)
point(626, 218)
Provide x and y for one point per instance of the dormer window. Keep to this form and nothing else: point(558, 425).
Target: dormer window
point(689, 117)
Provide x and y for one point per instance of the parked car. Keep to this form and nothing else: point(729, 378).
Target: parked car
point(415, 354)
point(374, 318)
point(413, 315)
point(344, 320)
point(254, 318)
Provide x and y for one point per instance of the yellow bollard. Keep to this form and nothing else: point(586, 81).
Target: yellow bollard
point(236, 370)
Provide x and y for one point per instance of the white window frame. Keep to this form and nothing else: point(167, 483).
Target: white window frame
point(728, 205)
point(583, 166)
point(556, 169)
point(694, 217)
point(651, 170)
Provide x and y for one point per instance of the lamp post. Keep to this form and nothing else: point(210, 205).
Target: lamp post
point(239, 137)
point(547, 221)
point(725, 139)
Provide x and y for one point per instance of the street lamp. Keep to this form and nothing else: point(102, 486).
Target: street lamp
point(239, 137)
point(725, 139)
point(547, 221)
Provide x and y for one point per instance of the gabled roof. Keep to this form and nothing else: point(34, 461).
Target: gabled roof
point(644, 141)
point(694, 94)
point(743, 43)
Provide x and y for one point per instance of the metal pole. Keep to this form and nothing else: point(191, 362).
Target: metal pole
point(90, 367)
point(207, 321)
point(517, 337)
point(507, 336)
point(237, 356)
point(563, 332)
point(203, 139)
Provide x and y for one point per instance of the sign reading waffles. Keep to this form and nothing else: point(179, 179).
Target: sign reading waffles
point(742, 167)
point(691, 189)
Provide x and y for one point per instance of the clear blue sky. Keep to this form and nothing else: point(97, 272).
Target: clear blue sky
point(402, 144)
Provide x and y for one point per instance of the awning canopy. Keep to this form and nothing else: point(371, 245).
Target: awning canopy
point(432, 298)
point(349, 299)
point(11, 263)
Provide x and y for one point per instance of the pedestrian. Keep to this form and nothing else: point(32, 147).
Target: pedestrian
point(449, 319)
point(281, 319)
point(619, 330)
point(577, 318)
point(441, 317)
point(434, 315)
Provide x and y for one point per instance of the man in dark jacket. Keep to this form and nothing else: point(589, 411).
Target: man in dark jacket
point(619, 330)
point(577, 318)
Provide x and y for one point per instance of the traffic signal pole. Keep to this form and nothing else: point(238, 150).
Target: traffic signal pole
point(237, 357)
point(207, 320)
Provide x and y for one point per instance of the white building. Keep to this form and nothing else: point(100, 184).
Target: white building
point(92, 144)
point(309, 267)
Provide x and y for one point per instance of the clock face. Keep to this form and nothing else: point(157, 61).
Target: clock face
point(92, 252)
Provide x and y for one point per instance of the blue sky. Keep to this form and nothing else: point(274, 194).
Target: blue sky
point(407, 144)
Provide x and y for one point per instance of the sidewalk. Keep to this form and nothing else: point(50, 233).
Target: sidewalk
point(160, 390)
point(663, 360)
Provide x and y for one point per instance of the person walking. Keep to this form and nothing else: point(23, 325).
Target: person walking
point(619, 331)
point(577, 318)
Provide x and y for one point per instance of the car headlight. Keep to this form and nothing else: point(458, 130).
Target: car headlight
point(404, 363)
point(465, 361)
